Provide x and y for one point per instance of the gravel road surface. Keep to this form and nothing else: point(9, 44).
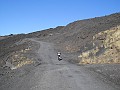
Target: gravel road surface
point(52, 74)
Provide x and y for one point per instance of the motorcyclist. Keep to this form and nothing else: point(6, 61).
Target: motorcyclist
point(59, 58)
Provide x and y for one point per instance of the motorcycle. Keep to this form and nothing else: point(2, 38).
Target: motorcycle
point(59, 58)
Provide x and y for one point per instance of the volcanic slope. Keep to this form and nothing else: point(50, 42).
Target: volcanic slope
point(91, 43)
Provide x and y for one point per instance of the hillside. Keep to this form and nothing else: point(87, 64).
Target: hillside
point(91, 43)
point(2, 37)
point(105, 48)
point(81, 37)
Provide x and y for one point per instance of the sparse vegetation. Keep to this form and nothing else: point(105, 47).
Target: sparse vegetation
point(18, 60)
point(108, 48)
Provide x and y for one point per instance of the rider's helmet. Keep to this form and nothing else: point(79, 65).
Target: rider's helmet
point(58, 53)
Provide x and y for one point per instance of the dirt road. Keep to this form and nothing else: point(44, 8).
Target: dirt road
point(57, 75)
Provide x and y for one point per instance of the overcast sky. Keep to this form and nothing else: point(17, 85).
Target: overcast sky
point(24, 16)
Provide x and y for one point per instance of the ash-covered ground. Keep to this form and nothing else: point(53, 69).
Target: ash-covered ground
point(93, 45)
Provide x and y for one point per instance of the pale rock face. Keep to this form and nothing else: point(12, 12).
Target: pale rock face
point(109, 44)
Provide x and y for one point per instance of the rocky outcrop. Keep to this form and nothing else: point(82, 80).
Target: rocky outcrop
point(106, 48)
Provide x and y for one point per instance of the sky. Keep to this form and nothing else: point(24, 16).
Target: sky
point(25, 16)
